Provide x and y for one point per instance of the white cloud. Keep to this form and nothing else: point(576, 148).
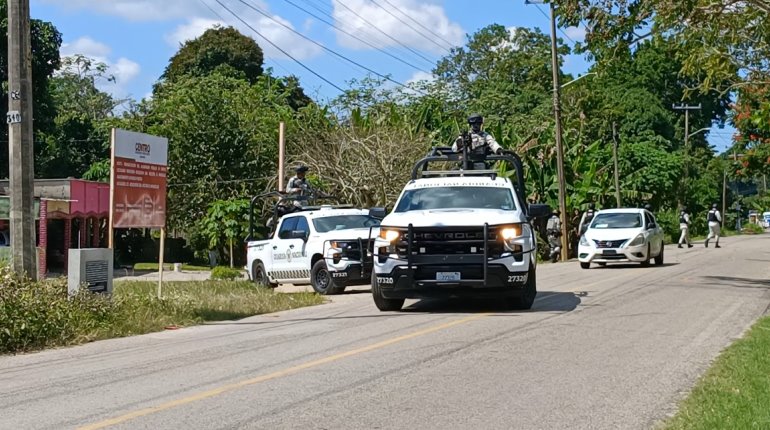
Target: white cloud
point(420, 76)
point(85, 46)
point(355, 16)
point(576, 33)
point(289, 41)
point(123, 69)
point(192, 29)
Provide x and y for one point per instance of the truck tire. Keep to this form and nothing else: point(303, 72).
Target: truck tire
point(259, 276)
point(527, 298)
point(383, 304)
point(322, 280)
point(585, 265)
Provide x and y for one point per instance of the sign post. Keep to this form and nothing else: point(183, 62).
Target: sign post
point(138, 185)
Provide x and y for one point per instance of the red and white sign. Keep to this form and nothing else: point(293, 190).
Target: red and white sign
point(138, 179)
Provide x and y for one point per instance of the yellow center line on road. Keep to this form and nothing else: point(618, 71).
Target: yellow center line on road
point(278, 374)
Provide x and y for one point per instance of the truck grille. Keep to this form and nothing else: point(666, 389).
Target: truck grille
point(451, 241)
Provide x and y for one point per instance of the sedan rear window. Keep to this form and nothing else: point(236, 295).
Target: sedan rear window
point(617, 220)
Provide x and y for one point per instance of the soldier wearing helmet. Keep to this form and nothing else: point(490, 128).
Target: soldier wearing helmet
point(479, 140)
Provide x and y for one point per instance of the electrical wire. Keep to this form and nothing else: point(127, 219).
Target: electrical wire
point(221, 18)
point(384, 33)
point(325, 48)
point(549, 20)
point(355, 37)
point(278, 47)
point(450, 44)
point(430, 39)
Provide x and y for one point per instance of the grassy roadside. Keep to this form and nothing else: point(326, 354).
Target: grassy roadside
point(153, 267)
point(38, 315)
point(735, 392)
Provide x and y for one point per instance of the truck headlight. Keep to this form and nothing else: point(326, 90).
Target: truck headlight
point(510, 232)
point(389, 235)
point(638, 240)
point(583, 241)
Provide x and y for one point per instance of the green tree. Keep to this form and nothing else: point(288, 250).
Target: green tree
point(221, 49)
point(46, 41)
point(223, 135)
point(80, 138)
point(226, 222)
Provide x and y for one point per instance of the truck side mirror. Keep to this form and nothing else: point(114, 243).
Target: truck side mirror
point(537, 210)
point(378, 213)
point(298, 234)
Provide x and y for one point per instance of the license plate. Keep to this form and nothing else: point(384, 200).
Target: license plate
point(609, 252)
point(447, 276)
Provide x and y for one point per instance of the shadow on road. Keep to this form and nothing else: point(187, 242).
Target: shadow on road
point(631, 266)
point(731, 281)
point(547, 301)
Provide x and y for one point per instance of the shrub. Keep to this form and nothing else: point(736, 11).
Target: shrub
point(226, 273)
point(40, 314)
point(751, 228)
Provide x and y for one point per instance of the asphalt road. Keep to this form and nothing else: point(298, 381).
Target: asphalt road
point(601, 349)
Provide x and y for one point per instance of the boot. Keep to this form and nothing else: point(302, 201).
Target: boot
point(679, 246)
point(717, 246)
point(690, 245)
point(707, 243)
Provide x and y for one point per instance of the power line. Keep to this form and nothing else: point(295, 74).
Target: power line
point(320, 45)
point(384, 33)
point(355, 37)
point(549, 19)
point(450, 44)
point(221, 18)
point(430, 39)
point(279, 48)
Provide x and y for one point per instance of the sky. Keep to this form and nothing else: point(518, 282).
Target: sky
point(399, 38)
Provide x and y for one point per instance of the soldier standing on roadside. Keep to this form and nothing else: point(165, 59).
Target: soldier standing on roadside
point(684, 227)
point(715, 224)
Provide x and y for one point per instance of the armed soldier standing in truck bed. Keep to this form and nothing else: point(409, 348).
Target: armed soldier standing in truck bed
point(479, 140)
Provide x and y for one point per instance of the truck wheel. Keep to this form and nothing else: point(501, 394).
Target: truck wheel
point(322, 281)
point(527, 298)
point(260, 276)
point(382, 303)
point(585, 265)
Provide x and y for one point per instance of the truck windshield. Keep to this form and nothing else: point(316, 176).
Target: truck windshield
point(617, 220)
point(343, 222)
point(456, 198)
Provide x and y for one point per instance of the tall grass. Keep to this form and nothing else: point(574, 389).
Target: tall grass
point(37, 315)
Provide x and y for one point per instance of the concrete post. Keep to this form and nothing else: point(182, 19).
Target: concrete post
point(21, 153)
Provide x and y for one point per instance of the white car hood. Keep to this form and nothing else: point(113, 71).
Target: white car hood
point(347, 234)
point(612, 233)
point(452, 217)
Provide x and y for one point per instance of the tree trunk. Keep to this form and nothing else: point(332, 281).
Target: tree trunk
point(231, 253)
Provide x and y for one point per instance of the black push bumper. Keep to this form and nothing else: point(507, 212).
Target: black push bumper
point(354, 273)
point(421, 282)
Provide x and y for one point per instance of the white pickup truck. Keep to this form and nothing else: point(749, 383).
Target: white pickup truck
point(326, 247)
point(458, 233)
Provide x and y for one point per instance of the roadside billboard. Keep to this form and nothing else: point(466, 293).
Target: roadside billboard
point(138, 180)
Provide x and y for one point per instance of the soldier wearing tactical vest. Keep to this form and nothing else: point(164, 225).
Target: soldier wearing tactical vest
point(684, 227)
point(715, 225)
point(480, 140)
point(553, 231)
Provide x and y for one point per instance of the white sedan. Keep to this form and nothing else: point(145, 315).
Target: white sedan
point(621, 235)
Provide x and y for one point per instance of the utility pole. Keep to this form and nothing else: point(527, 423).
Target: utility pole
point(21, 154)
point(686, 108)
point(615, 158)
point(557, 130)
